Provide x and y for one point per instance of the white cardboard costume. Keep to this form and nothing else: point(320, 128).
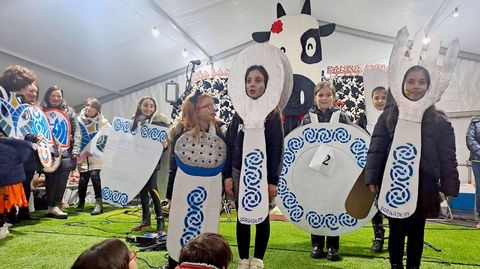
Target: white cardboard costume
point(373, 78)
point(197, 191)
point(321, 163)
point(253, 189)
point(399, 191)
point(129, 159)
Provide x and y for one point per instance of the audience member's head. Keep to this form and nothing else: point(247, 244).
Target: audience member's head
point(74, 177)
point(108, 254)
point(208, 249)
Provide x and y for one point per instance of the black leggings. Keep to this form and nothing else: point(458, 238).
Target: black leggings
point(151, 187)
point(261, 239)
point(55, 184)
point(26, 183)
point(414, 228)
point(83, 184)
point(332, 241)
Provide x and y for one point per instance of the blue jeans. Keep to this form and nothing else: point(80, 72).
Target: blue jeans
point(476, 174)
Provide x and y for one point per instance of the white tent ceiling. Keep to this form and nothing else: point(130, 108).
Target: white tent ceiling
point(100, 48)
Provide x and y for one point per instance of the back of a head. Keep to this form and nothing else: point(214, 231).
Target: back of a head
point(207, 248)
point(108, 254)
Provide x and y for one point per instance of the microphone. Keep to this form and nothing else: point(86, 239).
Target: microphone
point(196, 62)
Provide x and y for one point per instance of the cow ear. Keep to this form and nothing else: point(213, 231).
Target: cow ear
point(280, 11)
point(261, 37)
point(306, 8)
point(327, 29)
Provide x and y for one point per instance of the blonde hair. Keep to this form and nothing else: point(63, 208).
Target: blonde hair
point(190, 117)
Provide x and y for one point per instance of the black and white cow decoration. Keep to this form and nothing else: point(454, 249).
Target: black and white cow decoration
point(298, 36)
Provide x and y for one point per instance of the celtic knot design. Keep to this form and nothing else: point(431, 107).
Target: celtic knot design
point(400, 174)
point(252, 178)
point(145, 131)
point(194, 219)
point(324, 135)
point(115, 196)
point(359, 148)
point(330, 221)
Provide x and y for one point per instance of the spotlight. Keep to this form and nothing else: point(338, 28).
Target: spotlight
point(426, 40)
point(455, 13)
point(185, 53)
point(155, 31)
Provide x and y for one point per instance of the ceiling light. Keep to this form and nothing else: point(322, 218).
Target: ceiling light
point(185, 53)
point(455, 13)
point(426, 40)
point(155, 31)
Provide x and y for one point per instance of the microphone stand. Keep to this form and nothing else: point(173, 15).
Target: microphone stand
point(188, 83)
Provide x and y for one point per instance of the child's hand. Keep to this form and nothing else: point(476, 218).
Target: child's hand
point(374, 188)
point(229, 187)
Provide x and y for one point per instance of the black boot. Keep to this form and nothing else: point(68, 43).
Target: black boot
point(24, 214)
point(396, 266)
point(317, 252)
point(145, 224)
point(333, 255)
point(81, 205)
point(160, 225)
point(377, 245)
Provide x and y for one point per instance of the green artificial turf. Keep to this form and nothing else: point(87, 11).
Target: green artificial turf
point(53, 243)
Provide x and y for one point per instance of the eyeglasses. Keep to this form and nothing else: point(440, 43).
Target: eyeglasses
point(212, 106)
point(133, 255)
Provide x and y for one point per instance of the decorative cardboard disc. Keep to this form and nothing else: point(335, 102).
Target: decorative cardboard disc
point(313, 196)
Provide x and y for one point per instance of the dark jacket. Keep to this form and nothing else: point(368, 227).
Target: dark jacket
point(174, 133)
point(325, 116)
point(273, 141)
point(13, 153)
point(473, 139)
point(438, 162)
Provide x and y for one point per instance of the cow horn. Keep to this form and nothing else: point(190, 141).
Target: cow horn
point(306, 8)
point(280, 11)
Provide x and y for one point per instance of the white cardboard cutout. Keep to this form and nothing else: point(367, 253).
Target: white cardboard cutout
point(399, 191)
point(313, 200)
point(197, 191)
point(253, 190)
point(129, 160)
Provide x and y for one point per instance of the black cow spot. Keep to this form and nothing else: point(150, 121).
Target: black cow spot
point(295, 105)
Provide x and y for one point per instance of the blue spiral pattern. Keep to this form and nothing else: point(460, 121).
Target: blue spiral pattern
point(359, 149)
point(330, 221)
point(325, 136)
point(252, 178)
point(145, 131)
point(194, 219)
point(115, 196)
point(400, 174)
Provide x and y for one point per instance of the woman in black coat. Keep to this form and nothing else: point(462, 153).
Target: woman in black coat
point(438, 168)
